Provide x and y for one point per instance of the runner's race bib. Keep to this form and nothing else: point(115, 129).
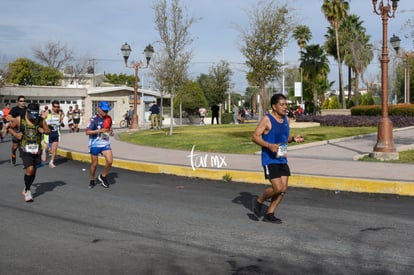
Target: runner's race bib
point(31, 148)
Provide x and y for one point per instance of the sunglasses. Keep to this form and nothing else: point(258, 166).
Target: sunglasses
point(22, 100)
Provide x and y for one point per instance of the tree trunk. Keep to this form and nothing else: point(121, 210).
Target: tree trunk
point(172, 115)
point(263, 97)
point(341, 86)
point(356, 90)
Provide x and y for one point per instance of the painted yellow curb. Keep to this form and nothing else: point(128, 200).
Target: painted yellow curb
point(304, 181)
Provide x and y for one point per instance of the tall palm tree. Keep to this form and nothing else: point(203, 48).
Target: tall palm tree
point(302, 35)
point(358, 52)
point(335, 11)
point(315, 64)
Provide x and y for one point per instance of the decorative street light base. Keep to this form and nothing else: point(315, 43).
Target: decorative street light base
point(384, 156)
point(385, 149)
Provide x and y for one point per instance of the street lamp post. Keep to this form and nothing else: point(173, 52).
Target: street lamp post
point(395, 42)
point(126, 51)
point(384, 148)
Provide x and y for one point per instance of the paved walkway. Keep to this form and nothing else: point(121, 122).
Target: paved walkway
point(326, 165)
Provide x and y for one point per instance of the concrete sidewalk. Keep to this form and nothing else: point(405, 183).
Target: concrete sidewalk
point(324, 165)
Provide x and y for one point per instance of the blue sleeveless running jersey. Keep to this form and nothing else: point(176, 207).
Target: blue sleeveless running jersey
point(278, 134)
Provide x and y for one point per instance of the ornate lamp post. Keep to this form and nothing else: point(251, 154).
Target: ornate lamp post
point(384, 148)
point(126, 51)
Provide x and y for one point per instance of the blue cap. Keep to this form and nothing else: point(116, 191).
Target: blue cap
point(104, 105)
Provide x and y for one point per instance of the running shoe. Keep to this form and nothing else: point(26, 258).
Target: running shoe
point(103, 181)
point(51, 165)
point(270, 217)
point(24, 192)
point(28, 196)
point(92, 184)
point(257, 207)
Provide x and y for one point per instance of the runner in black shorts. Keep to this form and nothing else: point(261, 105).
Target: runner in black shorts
point(273, 134)
point(17, 111)
point(76, 118)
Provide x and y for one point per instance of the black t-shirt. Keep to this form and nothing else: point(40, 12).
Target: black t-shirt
point(17, 111)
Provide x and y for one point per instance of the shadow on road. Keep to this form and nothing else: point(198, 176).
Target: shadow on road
point(45, 187)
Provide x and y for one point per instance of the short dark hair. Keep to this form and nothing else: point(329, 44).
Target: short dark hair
point(276, 97)
point(54, 102)
point(33, 106)
point(20, 97)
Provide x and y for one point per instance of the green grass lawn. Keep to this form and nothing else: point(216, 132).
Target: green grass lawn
point(229, 138)
point(404, 157)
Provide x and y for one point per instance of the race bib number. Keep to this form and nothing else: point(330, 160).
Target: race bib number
point(31, 148)
point(282, 151)
point(105, 135)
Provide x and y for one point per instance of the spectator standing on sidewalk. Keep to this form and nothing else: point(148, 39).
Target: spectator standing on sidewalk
point(155, 111)
point(235, 114)
point(273, 134)
point(215, 109)
point(99, 129)
point(32, 126)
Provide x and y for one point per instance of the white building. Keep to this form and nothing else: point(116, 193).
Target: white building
point(87, 98)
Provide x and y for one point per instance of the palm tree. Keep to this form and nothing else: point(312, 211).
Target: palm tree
point(335, 11)
point(302, 35)
point(357, 49)
point(315, 64)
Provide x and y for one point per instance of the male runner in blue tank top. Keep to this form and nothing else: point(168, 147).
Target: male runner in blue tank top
point(273, 134)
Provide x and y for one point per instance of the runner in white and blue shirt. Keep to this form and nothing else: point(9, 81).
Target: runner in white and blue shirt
point(99, 130)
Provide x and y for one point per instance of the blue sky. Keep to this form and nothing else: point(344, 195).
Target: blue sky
point(97, 29)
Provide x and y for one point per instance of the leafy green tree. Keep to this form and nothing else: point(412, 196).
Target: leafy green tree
point(335, 11)
point(171, 64)
point(216, 84)
point(263, 41)
point(190, 96)
point(315, 64)
point(24, 71)
point(121, 79)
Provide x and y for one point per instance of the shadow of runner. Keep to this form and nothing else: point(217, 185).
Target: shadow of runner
point(245, 199)
point(44, 187)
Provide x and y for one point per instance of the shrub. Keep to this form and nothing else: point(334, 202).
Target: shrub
point(356, 121)
point(334, 103)
point(375, 110)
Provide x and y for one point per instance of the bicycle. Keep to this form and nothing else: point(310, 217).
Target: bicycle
point(123, 123)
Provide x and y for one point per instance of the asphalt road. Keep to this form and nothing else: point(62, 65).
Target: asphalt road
point(159, 224)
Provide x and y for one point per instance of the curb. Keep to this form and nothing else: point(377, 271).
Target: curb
point(303, 181)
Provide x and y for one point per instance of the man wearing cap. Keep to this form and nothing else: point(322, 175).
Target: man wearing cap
point(31, 126)
point(99, 129)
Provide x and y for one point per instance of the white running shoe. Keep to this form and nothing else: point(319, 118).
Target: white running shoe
point(51, 165)
point(28, 196)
